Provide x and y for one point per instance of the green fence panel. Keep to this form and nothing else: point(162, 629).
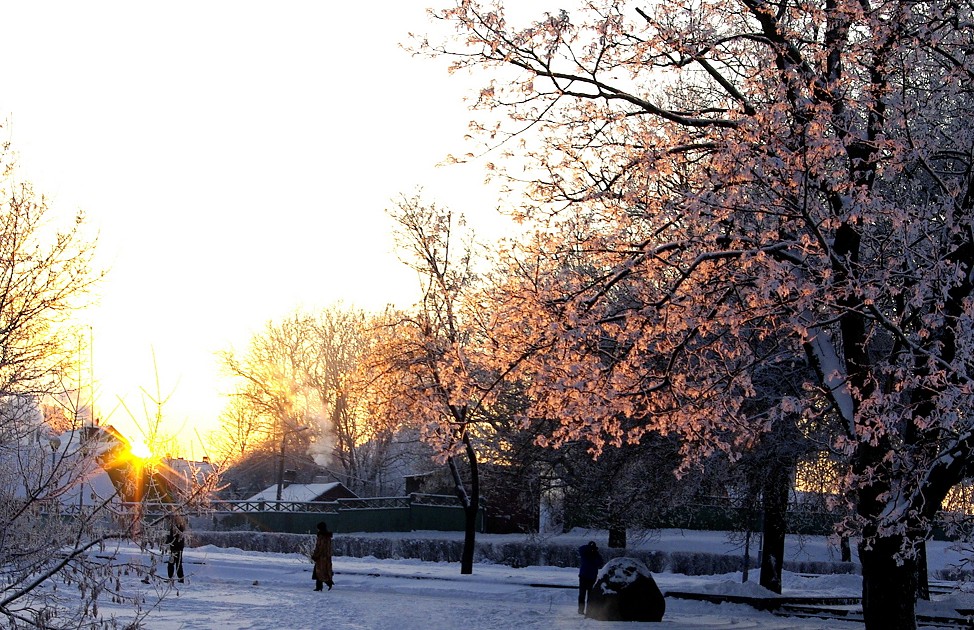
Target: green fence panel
point(375, 520)
point(441, 518)
point(408, 517)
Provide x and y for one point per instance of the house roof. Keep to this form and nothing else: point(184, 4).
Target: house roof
point(71, 457)
point(93, 489)
point(299, 492)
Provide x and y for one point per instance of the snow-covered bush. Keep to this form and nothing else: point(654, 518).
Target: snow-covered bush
point(515, 554)
point(698, 563)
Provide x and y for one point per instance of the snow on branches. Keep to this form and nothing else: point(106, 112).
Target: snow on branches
point(723, 185)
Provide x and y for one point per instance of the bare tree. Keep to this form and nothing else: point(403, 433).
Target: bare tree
point(241, 429)
point(341, 335)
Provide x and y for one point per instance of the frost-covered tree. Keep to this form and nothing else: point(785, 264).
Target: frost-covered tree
point(795, 172)
point(274, 395)
point(306, 372)
point(427, 364)
point(358, 446)
point(627, 487)
point(46, 537)
point(769, 466)
point(242, 428)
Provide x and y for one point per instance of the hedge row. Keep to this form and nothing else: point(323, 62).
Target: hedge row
point(514, 554)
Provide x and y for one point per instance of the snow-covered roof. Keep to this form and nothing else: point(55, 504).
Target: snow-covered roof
point(93, 490)
point(299, 492)
point(66, 464)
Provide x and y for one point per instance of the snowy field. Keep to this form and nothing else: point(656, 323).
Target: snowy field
point(230, 588)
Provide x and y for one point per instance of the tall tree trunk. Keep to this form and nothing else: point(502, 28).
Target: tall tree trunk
point(888, 589)
point(845, 549)
point(470, 502)
point(746, 560)
point(469, 539)
point(889, 584)
point(774, 499)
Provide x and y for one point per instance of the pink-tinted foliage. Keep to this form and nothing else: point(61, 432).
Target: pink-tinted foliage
point(721, 184)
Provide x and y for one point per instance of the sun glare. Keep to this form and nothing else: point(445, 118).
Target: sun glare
point(140, 450)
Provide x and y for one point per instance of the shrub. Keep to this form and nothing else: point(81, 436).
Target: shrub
point(513, 554)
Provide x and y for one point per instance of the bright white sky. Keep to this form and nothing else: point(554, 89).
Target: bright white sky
point(236, 159)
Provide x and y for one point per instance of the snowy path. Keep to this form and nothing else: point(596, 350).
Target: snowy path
point(247, 590)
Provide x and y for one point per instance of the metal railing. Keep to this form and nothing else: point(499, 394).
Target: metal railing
point(274, 506)
point(373, 503)
point(122, 510)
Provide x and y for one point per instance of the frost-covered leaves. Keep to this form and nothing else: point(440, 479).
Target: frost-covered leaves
point(719, 186)
point(429, 364)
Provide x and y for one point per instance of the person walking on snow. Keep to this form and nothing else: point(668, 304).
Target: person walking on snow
point(589, 563)
point(321, 556)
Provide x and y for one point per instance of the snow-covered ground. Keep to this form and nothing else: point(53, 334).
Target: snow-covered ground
point(230, 588)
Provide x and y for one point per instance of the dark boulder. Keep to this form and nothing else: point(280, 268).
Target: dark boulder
point(626, 591)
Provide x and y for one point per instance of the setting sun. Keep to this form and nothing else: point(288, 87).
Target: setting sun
point(140, 450)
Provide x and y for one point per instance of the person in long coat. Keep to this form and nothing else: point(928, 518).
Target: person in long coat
point(175, 543)
point(589, 563)
point(323, 572)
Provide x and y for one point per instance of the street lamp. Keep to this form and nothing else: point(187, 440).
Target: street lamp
point(280, 459)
